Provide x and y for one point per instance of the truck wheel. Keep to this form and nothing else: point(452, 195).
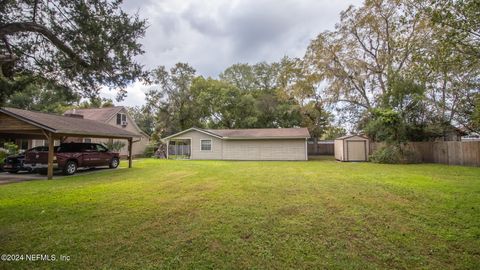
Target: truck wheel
point(114, 163)
point(70, 168)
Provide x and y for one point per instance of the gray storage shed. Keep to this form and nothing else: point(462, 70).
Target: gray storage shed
point(351, 148)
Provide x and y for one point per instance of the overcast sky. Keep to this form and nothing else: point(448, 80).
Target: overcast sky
point(212, 35)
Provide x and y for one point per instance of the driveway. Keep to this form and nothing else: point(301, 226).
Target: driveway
point(6, 178)
point(9, 178)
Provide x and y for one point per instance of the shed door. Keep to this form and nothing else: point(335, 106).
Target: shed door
point(356, 150)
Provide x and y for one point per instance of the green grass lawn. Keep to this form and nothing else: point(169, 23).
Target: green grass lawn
point(237, 215)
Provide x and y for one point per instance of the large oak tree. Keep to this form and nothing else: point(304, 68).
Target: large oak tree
point(384, 45)
point(79, 44)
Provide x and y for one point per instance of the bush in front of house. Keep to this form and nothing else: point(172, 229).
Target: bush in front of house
point(3, 155)
point(11, 148)
point(115, 146)
point(150, 150)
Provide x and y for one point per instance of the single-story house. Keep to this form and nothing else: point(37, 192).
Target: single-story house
point(239, 144)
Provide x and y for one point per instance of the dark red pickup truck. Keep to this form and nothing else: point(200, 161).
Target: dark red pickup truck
point(70, 156)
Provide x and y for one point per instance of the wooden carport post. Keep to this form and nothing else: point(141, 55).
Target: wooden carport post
point(50, 155)
point(168, 144)
point(130, 152)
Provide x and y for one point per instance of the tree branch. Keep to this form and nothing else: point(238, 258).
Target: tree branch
point(346, 75)
point(354, 103)
point(7, 58)
point(35, 4)
point(17, 27)
point(357, 37)
point(7, 45)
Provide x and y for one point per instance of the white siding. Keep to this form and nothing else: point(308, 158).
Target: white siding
point(195, 137)
point(338, 148)
point(279, 149)
point(267, 149)
point(138, 148)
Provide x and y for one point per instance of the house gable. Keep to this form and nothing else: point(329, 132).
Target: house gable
point(195, 136)
point(193, 129)
point(131, 122)
point(109, 115)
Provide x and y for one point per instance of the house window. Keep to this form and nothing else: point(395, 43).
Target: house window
point(23, 144)
point(205, 145)
point(87, 140)
point(121, 119)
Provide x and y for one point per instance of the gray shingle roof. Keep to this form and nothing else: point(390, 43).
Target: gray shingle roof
point(262, 133)
point(68, 125)
point(97, 114)
point(254, 133)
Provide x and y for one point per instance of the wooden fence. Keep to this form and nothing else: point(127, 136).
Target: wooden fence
point(321, 148)
point(452, 153)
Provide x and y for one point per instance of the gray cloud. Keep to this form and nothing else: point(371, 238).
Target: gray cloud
point(212, 35)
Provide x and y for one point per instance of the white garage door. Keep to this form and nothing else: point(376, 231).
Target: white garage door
point(356, 151)
point(264, 149)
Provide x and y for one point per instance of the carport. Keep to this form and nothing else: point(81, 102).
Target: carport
point(23, 124)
